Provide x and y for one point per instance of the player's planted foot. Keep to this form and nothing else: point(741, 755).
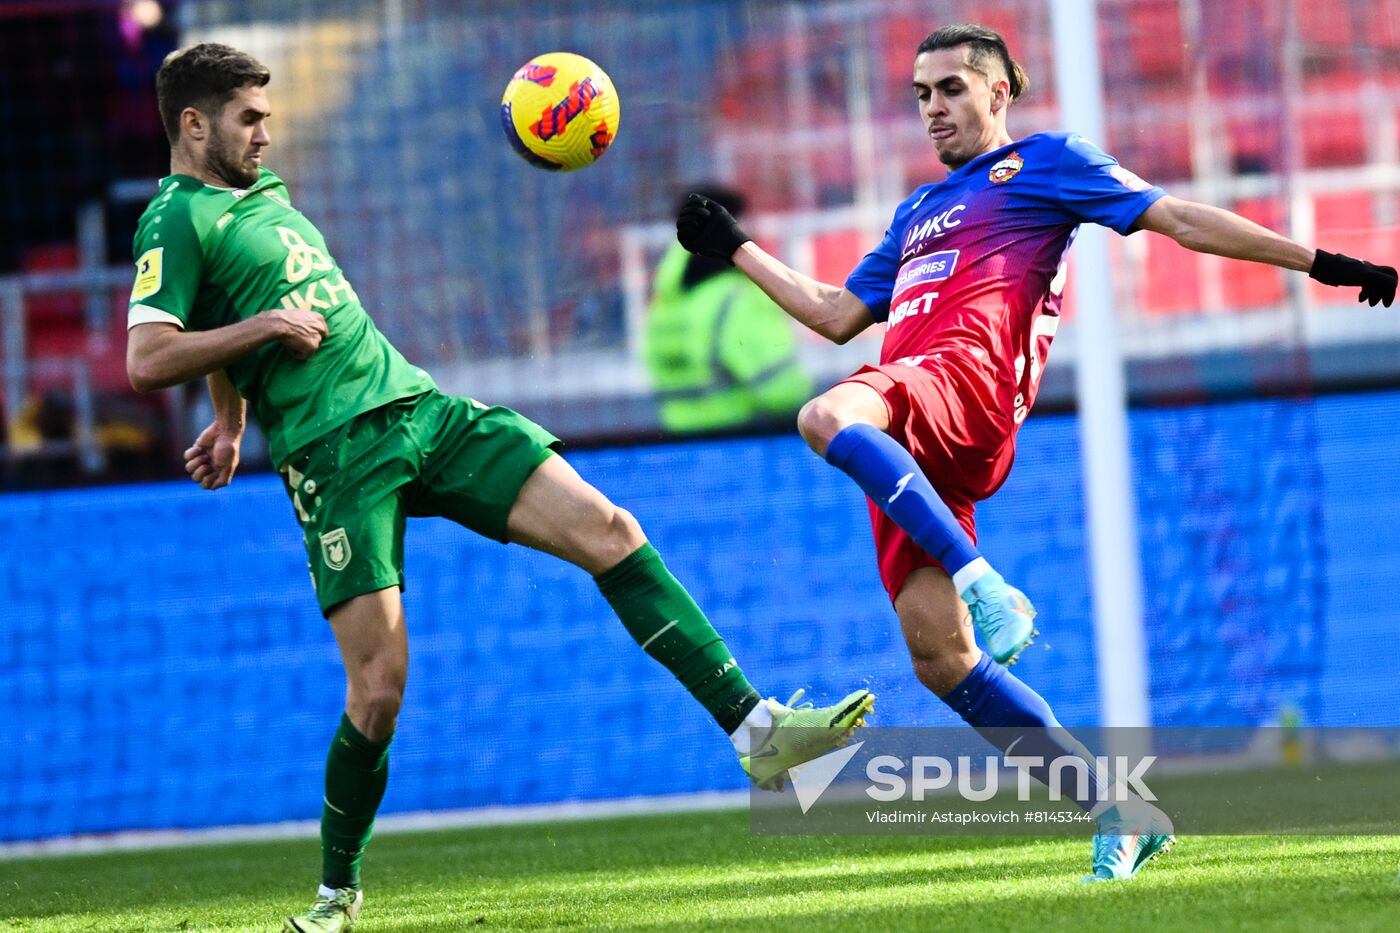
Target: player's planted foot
point(1131, 834)
point(801, 733)
point(334, 913)
point(1002, 614)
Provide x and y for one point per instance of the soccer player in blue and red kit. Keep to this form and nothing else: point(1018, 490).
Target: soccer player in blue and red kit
point(968, 282)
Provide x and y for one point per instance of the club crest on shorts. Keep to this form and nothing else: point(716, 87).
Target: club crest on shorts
point(1006, 169)
point(335, 549)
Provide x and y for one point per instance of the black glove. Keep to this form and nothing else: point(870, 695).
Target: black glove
point(705, 228)
point(1377, 282)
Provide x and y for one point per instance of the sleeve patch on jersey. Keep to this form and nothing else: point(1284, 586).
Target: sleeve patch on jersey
point(1129, 180)
point(148, 274)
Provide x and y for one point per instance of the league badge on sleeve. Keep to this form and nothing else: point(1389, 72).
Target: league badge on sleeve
point(148, 274)
point(1006, 169)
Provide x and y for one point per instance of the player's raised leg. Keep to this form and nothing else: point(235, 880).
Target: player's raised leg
point(559, 513)
point(847, 425)
point(1009, 714)
point(374, 647)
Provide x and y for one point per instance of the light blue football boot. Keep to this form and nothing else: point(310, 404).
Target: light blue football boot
point(1002, 614)
point(1131, 834)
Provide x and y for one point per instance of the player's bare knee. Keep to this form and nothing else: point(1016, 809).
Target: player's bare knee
point(818, 422)
point(621, 536)
point(376, 706)
point(601, 543)
point(941, 670)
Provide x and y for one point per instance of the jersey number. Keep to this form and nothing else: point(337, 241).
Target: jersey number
point(1044, 326)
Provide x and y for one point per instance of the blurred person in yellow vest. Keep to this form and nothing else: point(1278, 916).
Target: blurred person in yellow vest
point(720, 353)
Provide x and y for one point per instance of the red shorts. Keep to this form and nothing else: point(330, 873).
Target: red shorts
point(945, 412)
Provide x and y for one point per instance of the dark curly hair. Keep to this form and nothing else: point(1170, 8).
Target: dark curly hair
point(205, 77)
point(983, 47)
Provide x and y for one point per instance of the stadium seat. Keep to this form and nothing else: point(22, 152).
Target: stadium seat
point(1382, 23)
point(1255, 139)
point(1152, 136)
point(835, 254)
point(1347, 211)
point(900, 37)
point(54, 322)
point(1333, 124)
point(1171, 279)
point(1242, 42)
point(1156, 42)
point(1325, 25)
point(758, 63)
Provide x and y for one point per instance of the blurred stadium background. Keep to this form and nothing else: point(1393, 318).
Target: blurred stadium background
point(162, 664)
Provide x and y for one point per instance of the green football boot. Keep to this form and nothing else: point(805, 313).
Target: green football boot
point(335, 914)
point(801, 733)
point(1003, 616)
point(1131, 834)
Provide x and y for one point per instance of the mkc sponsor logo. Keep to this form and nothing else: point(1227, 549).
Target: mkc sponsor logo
point(890, 778)
point(934, 226)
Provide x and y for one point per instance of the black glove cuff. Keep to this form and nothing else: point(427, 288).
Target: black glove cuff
point(737, 239)
point(1336, 269)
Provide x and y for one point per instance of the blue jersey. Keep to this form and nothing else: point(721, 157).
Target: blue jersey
point(975, 263)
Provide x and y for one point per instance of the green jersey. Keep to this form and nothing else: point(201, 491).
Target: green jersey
point(208, 257)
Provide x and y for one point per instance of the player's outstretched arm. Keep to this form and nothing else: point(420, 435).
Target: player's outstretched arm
point(706, 228)
point(161, 355)
point(1208, 229)
point(830, 310)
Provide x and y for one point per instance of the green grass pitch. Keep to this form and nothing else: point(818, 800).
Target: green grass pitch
point(703, 871)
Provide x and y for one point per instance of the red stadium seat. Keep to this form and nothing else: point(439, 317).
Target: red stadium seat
point(1333, 140)
point(56, 328)
point(1153, 136)
point(835, 254)
point(1156, 42)
point(1327, 25)
point(1348, 211)
point(54, 322)
point(901, 37)
point(759, 64)
point(1171, 281)
point(1241, 43)
point(1382, 24)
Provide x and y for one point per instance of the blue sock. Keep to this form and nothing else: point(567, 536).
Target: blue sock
point(893, 481)
point(1006, 712)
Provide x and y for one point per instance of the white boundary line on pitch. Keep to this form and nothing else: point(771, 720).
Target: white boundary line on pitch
point(390, 823)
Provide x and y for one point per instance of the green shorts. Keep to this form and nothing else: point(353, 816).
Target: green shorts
point(431, 454)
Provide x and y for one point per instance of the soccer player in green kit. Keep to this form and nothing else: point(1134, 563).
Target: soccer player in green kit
point(234, 284)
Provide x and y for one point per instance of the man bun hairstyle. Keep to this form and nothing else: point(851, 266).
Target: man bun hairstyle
point(984, 46)
point(205, 77)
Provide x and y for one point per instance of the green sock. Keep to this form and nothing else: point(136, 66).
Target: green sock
point(357, 771)
point(664, 620)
